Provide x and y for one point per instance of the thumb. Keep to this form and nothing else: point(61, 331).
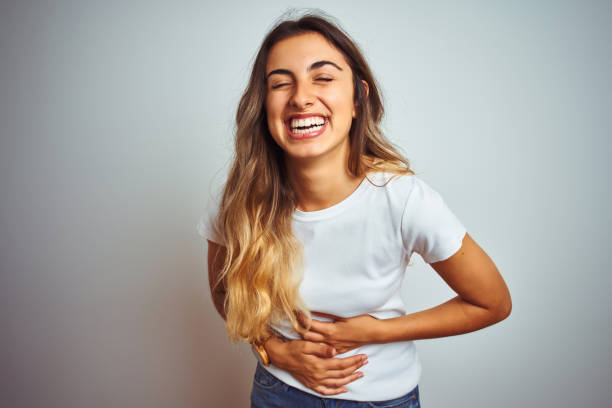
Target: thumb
point(303, 320)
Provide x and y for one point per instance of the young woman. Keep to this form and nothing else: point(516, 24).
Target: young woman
point(316, 223)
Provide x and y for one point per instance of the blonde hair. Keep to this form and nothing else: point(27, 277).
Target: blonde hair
point(262, 269)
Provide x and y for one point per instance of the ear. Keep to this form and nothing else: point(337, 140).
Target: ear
point(366, 86)
point(367, 90)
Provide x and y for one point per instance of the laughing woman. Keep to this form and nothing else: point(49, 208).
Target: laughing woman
point(318, 218)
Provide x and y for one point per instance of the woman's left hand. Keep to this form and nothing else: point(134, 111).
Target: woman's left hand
point(343, 334)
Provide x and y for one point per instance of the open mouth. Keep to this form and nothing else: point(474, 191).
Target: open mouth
point(300, 128)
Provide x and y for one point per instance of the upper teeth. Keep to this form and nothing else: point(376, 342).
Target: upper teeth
point(306, 122)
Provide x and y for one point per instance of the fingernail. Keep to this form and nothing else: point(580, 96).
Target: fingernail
point(360, 374)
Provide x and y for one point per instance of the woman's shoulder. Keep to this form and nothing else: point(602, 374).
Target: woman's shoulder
point(394, 182)
point(392, 190)
point(407, 189)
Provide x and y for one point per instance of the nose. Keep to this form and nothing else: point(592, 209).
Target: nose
point(303, 96)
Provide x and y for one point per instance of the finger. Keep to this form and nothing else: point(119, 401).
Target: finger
point(345, 362)
point(313, 336)
point(319, 349)
point(302, 320)
point(322, 389)
point(347, 371)
point(334, 382)
point(320, 327)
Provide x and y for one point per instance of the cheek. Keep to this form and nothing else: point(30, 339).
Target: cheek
point(342, 113)
point(341, 101)
point(273, 111)
point(270, 114)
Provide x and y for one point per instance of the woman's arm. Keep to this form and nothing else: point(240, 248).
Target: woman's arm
point(216, 257)
point(310, 363)
point(483, 299)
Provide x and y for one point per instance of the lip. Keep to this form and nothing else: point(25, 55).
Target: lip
point(308, 135)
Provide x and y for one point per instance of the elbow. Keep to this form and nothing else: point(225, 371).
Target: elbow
point(502, 305)
point(221, 311)
point(498, 310)
point(218, 299)
point(506, 310)
point(503, 309)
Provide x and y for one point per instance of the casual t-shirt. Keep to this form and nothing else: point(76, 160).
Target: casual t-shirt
point(355, 256)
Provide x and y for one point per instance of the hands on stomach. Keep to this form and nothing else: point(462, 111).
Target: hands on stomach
point(311, 360)
point(313, 365)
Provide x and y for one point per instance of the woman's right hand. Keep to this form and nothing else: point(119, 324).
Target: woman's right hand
point(313, 364)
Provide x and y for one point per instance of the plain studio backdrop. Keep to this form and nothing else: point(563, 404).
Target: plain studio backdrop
point(117, 120)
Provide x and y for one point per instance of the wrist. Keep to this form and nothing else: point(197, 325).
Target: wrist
point(260, 352)
point(275, 348)
point(379, 331)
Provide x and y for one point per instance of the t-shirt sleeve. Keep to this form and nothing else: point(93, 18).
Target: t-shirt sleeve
point(208, 227)
point(429, 227)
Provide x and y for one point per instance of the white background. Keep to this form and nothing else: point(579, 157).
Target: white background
point(117, 117)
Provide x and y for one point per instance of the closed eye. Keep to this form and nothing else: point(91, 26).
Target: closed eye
point(323, 79)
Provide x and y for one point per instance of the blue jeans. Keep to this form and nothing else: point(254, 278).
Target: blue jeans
point(270, 392)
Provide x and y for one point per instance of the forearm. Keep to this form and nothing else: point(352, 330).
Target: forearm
point(218, 298)
point(453, 317)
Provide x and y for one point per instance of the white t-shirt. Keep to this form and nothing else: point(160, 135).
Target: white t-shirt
point(355, 256)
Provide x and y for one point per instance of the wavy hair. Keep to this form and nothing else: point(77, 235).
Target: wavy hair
point(262, 269)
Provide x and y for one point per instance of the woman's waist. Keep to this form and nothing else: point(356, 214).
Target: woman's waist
point(393, 369)
point(285, 330)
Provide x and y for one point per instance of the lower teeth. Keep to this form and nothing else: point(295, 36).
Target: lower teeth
point(307, 130)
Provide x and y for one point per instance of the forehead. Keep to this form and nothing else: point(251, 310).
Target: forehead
point(298, 52)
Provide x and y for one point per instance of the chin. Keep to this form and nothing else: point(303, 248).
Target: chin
point(304, 153)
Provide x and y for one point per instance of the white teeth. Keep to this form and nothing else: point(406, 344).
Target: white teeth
point(307, 130)
point(313, 120)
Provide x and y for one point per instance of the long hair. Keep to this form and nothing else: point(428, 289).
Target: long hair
point(262, 270)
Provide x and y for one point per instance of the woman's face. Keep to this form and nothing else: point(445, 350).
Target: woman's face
point(309, 99)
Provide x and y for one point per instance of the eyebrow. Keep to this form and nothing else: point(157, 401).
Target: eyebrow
point(313, 66)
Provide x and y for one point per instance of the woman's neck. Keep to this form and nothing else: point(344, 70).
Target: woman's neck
point(321, 184)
